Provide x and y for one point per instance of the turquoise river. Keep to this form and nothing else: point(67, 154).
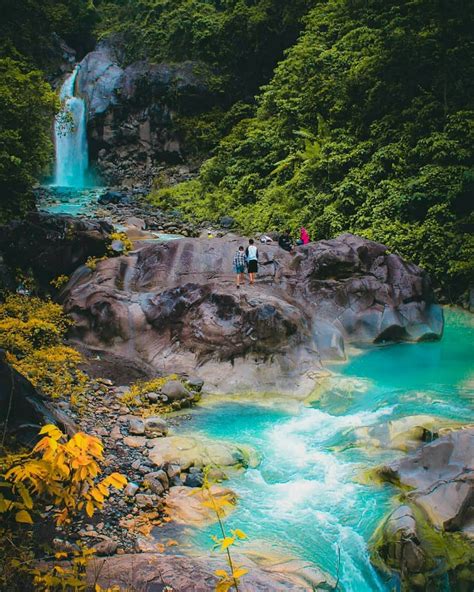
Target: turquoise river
point(306, 497)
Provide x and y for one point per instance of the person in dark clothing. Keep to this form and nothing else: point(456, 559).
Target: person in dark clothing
point(285, 241)
point(251, 254)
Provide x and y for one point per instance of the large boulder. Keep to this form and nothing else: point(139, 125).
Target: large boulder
point(434, 535)
point(153, 571)
point(188, 451)
point(23, 410)
point(174, 305)
point(51, 245)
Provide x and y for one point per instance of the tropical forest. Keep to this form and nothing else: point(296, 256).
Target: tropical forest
point(236, 295)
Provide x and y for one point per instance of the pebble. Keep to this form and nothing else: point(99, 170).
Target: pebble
point(131, 489)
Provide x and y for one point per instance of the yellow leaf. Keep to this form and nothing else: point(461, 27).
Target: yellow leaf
point(116, 480)
point(227, 542)
point(24, 517)
point(90, 509)
point(95, 493)
point(239, 572)
point(224, 586)
point(172, 543)
point(60, 554)
point(52, 431)
point(221, 573)
point(239, 533)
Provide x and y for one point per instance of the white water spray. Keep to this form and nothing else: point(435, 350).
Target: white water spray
point(70, 137)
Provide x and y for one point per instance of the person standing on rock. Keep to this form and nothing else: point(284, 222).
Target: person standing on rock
point(251, 254)
point(239, 266)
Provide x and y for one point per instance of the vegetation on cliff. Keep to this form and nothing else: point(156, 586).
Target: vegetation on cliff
point(30, 33)
point(366, 126)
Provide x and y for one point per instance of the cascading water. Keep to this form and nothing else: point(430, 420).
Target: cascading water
point(70, 137)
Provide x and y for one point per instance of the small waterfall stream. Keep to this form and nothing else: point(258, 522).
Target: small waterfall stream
point(71, 137)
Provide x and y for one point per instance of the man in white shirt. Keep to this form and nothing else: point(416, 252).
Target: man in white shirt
point(251, 254)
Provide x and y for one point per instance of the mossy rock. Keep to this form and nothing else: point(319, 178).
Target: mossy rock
point(423, 556)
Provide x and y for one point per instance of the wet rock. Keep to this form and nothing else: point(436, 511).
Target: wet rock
point(399, 546)
point(184, 508)
point(187, 451)
point(440, 476)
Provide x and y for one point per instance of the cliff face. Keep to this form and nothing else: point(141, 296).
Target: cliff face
point(131, 111)
point(174, 305)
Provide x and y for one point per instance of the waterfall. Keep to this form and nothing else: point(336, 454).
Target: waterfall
point(71, 137)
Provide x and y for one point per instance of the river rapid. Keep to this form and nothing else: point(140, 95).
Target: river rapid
point(308, 497)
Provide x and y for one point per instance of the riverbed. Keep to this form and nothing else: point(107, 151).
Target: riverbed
point(308, 498)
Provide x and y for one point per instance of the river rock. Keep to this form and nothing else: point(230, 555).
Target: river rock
point(175, 390)
point(184, 312)
point(106, 546)
point(155, 426)
point(406, 433)
point(188, 451)
point(136, 426)
point(185, 505)
point(148, 571)
point(440, 479)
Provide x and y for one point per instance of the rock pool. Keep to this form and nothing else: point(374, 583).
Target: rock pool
point(306, 497)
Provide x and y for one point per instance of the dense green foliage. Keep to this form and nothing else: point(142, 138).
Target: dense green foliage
point(29, 46)
point(241, 40)
point(366, 126)
point(27, 107)
point(30, 29)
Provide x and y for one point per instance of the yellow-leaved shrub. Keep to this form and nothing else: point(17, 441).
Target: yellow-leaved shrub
point(136, 394)
point(31, 331)
point(59, 471)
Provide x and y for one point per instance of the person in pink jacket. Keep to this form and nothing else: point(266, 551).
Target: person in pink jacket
point(304, 236)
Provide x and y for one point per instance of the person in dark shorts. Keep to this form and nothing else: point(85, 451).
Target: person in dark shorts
point(239, 266)
point(251, 254)
point(285, 242)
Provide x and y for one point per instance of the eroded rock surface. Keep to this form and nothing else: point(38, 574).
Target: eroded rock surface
point(130, 112)
point(174, 306)
point(151, 571)
point(431, 534)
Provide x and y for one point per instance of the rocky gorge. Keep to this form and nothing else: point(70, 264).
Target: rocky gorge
point(172, 307)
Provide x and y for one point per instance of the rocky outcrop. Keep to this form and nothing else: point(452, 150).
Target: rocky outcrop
point(52, 245)
point(131, 112)
point(174, 305)
point(153, 571)
point(187, 451)
point(23, 410)
point(434, 533)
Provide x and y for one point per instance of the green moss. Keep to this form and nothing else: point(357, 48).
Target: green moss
point(445, 553)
